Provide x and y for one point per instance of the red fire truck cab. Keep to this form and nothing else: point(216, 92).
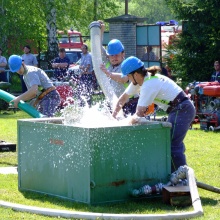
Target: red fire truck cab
point(169, 32)
point(70, 40)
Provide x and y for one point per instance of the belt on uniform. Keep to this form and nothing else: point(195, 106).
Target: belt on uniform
point(45, 92)
point(179, 98)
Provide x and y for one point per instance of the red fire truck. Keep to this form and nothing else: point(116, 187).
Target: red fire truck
point(70, 40)
point(169, 32)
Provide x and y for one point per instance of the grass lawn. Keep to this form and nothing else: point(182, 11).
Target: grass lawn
point(203, 153)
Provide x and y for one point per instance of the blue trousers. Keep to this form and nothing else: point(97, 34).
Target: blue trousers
point(48, 105)
point(181, 117)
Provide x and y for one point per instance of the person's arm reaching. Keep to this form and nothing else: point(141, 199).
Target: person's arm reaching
point(121, 101)
point(140, 112)
point(30, 94)
point(114, 76)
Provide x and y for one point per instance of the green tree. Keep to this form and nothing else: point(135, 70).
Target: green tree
point(21, 24)
point(199, 44)
point(153, 10)
point(35, 23)
point(82, 12)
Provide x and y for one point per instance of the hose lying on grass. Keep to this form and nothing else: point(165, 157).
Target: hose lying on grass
point(196, 202)
point(208, 187)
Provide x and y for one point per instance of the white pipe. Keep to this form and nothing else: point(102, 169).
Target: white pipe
point(103, 80)
point(196, 202)
point(198, 211)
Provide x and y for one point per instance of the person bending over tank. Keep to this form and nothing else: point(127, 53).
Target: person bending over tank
point(41, 93)
point(158, 89)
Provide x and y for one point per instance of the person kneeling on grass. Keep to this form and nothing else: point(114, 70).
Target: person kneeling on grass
point(161, 90)
point(41, 93)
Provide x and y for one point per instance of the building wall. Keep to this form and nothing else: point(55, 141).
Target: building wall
point(126, 33)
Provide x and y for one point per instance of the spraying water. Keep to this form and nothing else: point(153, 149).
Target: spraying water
point(103, 80)
point(98, 115)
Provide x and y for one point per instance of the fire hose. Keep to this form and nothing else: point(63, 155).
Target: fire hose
point(186, 171)
point(22, 105)
point(95, 32)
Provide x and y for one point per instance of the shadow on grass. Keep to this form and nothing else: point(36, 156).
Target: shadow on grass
point(208, 201)
point(145, 205)
point(10, 114)
point(6, 113)
point(8, 158)
point(8, 164)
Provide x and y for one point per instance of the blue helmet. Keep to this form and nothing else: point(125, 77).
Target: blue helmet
point(115, 47)
point(130, 65)
point(15, 63)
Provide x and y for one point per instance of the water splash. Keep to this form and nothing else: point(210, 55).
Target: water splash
point(72, 114)
point(96, 116)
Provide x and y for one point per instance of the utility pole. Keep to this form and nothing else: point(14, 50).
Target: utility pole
point(95, 10)
point(126, 7)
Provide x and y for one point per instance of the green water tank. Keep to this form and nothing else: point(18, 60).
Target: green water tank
point(91, 165)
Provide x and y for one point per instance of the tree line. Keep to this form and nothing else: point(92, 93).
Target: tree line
point(197, 48)
point(38, 20)
point(199, 44)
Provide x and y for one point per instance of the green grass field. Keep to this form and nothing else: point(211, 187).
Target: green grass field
point(203, 153)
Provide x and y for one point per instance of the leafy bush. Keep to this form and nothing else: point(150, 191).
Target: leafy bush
point(199, 44)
